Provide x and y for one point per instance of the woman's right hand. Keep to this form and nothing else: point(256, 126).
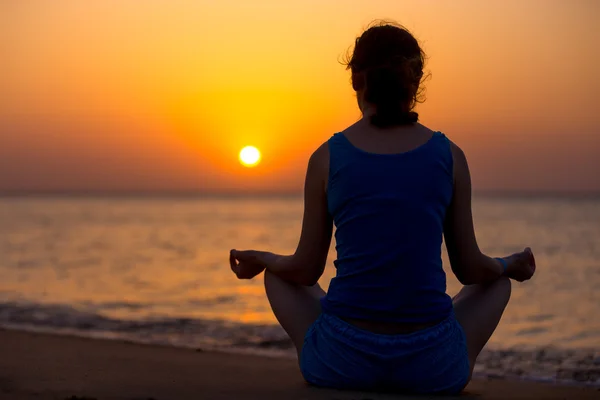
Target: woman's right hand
point(520, 266)
point(246, 264)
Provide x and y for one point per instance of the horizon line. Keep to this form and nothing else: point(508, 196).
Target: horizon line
point(166, 193)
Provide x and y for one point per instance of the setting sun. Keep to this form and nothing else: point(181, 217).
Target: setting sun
point(249, 156)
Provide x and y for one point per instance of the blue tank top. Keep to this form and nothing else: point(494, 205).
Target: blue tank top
point(389, 212)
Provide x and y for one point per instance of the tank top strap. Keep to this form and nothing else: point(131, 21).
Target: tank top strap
point(336, 141)
point(444, 151)
point(439, 136)
point(338, 151)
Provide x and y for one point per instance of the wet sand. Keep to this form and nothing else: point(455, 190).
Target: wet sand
point(40, 366)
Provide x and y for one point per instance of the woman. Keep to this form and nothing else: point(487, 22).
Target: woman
point(393, 188)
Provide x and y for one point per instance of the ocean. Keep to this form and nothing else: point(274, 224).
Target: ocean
point(154, 269)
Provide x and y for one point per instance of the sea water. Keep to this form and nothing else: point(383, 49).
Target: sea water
point(155, 270)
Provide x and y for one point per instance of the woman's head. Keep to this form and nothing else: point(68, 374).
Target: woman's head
point(387, 70)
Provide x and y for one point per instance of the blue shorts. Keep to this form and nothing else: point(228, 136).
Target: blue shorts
point(339, 355)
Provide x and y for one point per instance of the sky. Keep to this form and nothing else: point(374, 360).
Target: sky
point(128, 95)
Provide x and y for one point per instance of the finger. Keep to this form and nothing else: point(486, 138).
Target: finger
point(232, 261)
point(245, 255)
point(530, 257)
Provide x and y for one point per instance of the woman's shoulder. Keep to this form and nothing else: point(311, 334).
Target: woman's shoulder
point(318, 164)
point(321, 154)
point(319, 159)
point(457, 153)
point(456, 150)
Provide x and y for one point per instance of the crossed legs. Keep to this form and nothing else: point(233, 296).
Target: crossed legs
point(478, 308)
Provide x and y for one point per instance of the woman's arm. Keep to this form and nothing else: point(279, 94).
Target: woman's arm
point(468, 263)
point(307, 264)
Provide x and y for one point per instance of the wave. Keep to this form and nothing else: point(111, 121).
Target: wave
point(547, 364)
point(181, 332)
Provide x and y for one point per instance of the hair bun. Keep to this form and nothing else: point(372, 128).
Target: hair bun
point(387, 65)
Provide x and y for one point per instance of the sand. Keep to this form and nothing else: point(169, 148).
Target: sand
point(41, 366)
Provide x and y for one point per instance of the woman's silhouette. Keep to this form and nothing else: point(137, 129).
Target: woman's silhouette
point(393, 188)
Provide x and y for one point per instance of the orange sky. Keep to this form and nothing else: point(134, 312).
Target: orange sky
point(155, 95)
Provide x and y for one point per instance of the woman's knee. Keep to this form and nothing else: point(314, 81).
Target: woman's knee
point(503, 288)
point(267, 275)
point(275, 283)
point(270, 279)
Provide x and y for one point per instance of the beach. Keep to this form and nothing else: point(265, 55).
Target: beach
point(46, 366)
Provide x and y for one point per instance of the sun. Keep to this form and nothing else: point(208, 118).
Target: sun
point(249, 156)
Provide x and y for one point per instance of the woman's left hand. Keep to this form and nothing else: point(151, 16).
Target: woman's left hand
point(246, 264)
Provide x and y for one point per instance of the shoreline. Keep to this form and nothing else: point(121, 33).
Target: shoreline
point(51, 366)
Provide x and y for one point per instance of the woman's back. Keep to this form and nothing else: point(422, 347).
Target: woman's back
point(388, 193)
